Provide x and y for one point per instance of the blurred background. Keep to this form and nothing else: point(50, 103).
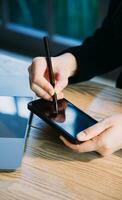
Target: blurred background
point(23, 23)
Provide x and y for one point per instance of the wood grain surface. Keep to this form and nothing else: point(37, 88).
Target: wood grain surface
point(51, 171)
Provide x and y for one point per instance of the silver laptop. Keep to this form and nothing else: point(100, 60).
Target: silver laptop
point(14, 117)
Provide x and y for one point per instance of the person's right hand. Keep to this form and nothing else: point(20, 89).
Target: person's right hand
point(64, 66)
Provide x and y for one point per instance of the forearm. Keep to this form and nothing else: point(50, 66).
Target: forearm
point(96, 56)
point(100, 53)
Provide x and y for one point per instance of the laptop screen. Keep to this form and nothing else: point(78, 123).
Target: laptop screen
point(13, 122)
point(13, 116)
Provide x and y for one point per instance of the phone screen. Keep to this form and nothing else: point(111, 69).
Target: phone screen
point(69, 119)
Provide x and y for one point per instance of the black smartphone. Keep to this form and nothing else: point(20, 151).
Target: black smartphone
point(70, 120)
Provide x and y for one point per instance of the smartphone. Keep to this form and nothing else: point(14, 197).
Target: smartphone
point(70, 120)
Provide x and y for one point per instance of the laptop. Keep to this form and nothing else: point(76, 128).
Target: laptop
point(14, 117)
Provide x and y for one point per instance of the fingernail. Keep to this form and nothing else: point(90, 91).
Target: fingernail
point(81, 136)
point(52, 92)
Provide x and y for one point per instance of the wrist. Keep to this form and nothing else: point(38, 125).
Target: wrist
point(70, 63)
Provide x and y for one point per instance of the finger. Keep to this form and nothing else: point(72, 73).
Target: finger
point(60, 96)
point(68, 144)
point(40, 92)
point(37, 71)
point(61, 83)
point(44, 84)
point(108, 142)
point(39, 65)
point(94, 130)
point(87, 146)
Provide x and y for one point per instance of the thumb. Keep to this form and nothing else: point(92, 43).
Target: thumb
point(61, 83)
point(94, 130)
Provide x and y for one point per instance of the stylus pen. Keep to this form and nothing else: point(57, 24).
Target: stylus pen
point(50, 69)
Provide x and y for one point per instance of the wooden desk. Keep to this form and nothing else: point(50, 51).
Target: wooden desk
point(51, 171)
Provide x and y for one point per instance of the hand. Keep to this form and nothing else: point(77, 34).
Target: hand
point(105, 137)
point(63, 67)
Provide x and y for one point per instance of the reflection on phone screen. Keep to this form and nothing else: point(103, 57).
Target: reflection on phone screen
point(69, 117)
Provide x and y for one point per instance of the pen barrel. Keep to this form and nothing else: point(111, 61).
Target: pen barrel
point(49, 63)
point(51, 75)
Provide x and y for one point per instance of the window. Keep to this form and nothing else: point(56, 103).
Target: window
point(67, 22)
point(75, 18)
point(30, 13)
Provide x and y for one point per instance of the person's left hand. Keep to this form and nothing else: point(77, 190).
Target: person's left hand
point(105, 137)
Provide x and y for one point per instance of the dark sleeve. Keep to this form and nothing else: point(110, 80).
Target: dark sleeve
point(101, 52)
